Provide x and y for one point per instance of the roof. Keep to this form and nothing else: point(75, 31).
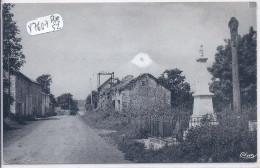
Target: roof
point(124, 85)
point(26, 78)
point(106, 82)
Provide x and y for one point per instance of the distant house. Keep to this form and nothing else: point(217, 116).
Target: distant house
point(143, 93)
point(28, 96)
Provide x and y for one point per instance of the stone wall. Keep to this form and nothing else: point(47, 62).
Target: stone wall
point(145, 95)
point(141, 96)
point(105, 101)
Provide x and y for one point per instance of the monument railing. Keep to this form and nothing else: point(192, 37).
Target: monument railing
point(198, 121)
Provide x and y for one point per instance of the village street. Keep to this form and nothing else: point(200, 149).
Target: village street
point(59, 139)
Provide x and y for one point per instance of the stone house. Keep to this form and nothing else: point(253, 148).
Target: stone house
point(27, 94)
point(141, 94)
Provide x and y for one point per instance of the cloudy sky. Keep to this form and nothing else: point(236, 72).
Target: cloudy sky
point(108, 36)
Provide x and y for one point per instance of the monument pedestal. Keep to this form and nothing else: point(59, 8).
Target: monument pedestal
point(202, 106)
point(202, 97)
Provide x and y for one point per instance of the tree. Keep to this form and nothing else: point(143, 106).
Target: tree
point(180, 90)
point(53, 100)
point(221, 71)
point(45, 80)
point(66, 102)
point(13, 57)
point(88, 105)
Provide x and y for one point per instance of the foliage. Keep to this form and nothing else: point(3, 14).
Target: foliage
point(222, 72)
point(45, 80)
point(88, 105)
point(11, 43)
point(53, 100)
point(66, 102)
point(180, 90)
point(221, 144)
point(6, 96)
point(12, 49)
point(131, 148)
point(208, 143)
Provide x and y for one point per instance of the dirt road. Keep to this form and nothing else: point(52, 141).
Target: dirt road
point(60, 139)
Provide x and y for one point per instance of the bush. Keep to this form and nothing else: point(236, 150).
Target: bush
point(116, 114)
point(132, 149)
point(72, 113)
point(219, 144)
point(105, 115)
point(142, 133)
point(207, 143)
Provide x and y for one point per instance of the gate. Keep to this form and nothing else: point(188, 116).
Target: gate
point(162, 126)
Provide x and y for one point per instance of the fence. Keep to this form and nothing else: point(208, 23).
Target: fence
point(197, 121)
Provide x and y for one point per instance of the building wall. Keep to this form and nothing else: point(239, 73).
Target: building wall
point(103, 96)
point(21, 92)
point(45, 104)
point(36, 94)
point(27, 96)
point(13, 93)
point(105, 101)
point(145, 95)
point(117, 101)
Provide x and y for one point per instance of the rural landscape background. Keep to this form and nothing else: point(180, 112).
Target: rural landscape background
point(118, 75)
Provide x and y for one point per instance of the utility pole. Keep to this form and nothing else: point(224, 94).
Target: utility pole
point(69, 102)
point(91, 91)
point(233, 26)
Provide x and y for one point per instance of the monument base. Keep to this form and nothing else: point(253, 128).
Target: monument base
point(202, 104)
point(198, 120)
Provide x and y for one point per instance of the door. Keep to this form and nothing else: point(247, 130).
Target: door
point(18, 108)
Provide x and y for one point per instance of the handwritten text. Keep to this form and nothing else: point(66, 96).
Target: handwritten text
point(45, 24)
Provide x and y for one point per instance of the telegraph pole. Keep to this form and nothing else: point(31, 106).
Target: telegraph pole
point(69, 102)
point(233, 26)
point(91, 91)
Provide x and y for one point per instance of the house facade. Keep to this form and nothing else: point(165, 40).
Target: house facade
point(45, 104)
point(27, 94)
point(140, 94)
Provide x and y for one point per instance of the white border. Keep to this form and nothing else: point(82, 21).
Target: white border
point(120, 1)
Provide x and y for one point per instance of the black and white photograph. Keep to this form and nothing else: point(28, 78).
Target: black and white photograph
point(129, 83)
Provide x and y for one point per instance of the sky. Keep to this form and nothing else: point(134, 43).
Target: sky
point(111, 36)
